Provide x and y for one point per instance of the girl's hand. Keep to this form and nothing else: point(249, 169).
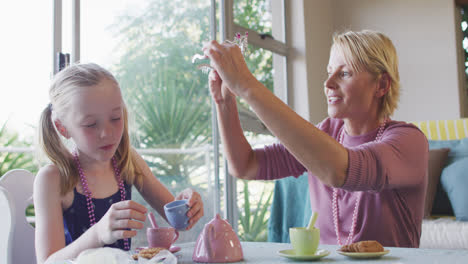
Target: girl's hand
point(118, 219)
point(195, 203)
point(228, 61)
point(219, 91)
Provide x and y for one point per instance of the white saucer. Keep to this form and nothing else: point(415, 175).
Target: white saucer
point(290, 253)
point(363, 255)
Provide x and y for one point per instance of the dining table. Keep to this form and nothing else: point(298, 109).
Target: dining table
point(268, 252)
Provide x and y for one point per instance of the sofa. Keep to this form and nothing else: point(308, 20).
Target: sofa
point(446, 210)
point(445, 224)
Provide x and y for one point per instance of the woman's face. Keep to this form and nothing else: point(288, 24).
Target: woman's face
point(350, 94)
point(95, 120)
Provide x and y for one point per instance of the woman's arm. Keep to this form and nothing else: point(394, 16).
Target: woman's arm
point(398, 161)
point(242, 161)
point(318, 152)
point(50, 236)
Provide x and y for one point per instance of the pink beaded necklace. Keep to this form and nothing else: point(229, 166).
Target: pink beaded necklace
point(84, 185)
point(378, 137)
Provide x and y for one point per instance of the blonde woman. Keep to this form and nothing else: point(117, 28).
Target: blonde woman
point(367, 172)
point(83, 198)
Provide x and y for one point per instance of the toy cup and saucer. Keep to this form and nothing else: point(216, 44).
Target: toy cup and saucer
point(161, 237)
point(305, 241)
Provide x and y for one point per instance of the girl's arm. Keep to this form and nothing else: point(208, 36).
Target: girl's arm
point(157, 195)
point(118, 222)
point(152, 190)
point(50, 237)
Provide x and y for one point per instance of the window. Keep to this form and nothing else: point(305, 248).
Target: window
point(148, 46)
point(266, 58)
point(26, 64)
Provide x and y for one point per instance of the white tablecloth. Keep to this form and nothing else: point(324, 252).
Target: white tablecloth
point(264, 252)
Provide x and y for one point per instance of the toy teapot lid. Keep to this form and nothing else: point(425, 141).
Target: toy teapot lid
point(217, 243)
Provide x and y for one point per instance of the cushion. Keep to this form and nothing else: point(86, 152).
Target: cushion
point(453, 178)
point(437, 159)
point(290, 207)
point(441, 205)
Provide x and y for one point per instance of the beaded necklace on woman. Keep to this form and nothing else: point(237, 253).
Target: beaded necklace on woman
point(84, 185)
point(378, 137)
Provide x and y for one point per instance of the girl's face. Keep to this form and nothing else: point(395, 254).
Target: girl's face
point(95, 121)
point(349, 94)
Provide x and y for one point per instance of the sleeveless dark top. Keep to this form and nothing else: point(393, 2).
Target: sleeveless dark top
point(76, 218)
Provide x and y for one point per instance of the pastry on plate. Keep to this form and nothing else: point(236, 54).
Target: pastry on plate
point(147, 253)
point(363, 246)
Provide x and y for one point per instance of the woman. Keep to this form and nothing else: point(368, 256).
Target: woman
point(367, 173)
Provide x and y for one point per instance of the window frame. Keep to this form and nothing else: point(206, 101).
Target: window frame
point(227, 31)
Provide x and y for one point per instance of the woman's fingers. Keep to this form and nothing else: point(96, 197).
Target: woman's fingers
point(229, 63)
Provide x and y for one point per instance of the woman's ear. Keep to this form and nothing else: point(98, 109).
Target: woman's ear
point(384, 83)
point(61, 129)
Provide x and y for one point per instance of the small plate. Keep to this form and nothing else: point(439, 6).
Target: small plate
point(363, 255)
point(290, 253)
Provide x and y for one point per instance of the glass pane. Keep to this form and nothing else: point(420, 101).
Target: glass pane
point(148, 46)
point(254, 14)
point(26, 64)
point(263, 16)
point(254, 197)
point(67, 22)
point(260, 63)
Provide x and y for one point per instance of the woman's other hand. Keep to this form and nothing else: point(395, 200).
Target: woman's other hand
point(195, 204)
point(120, 221)
point(219, 91)
point(228, 62)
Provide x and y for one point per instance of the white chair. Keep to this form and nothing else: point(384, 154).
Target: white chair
point(16, 188)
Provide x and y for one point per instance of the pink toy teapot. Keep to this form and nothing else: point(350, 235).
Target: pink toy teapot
point(217, 243)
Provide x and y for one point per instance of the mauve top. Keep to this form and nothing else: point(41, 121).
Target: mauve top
point(391, 173)
point(76, 218)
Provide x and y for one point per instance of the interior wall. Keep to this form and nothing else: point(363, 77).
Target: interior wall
point(309, 35)
point(424, 33)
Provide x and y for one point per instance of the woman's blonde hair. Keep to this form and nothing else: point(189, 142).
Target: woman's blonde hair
point(64, 86)
point(375, 53)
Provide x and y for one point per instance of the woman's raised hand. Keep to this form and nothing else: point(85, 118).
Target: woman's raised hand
point(119, 221)
point(195, 203)
point(228, 62)
point(219, 90)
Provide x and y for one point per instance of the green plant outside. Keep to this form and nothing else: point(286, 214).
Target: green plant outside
point(253, 221)
point(10, 161)
point(169, 97)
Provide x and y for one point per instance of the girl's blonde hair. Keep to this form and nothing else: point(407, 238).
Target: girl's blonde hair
point(373, 52)
point(64, 86)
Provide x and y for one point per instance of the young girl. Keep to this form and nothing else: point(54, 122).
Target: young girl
point(83, 199)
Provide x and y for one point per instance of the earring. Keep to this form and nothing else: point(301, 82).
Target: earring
point(63, 131)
